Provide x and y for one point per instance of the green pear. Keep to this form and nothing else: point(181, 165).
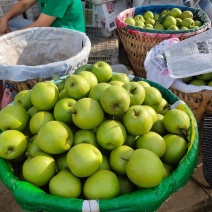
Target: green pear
point(148, 14)
point(92, 79)
point(205, 77)
point(23, 98)
point(152, 141)
point(96, 91)
point(187, 22)
point(55, 137)
point(145, 169)
point(119, 158)
point(13, 144)
point(176, 149)
point(103, 184)
point(39, 170)
point(186, 14)
point(158, 126)
point(63, 110)
point(77, 86)
point(65, 184)
point(176, 121)
point(126, 185)
point(102, 70)
point(153, 96)
point(168, 21)
point(38, 120)
point(115, 100)
point(85, 136)
point(139, 17)
point(175, 12)
point(129, 21)
point(84, 159)
point(120, 77)
point(87, 113)
point(197, 82)
point(111, 134)
point(44, 95)
point(13, 117)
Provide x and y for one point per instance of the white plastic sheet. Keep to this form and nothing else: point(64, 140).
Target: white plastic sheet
point(157, 70)
point(41, 52)
point(155, 63)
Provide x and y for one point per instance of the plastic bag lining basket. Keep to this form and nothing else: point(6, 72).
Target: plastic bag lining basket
point(31, 198)
point(138, 41)
point(66, 65)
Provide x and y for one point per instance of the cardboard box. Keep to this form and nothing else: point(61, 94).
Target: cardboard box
point(104, 15)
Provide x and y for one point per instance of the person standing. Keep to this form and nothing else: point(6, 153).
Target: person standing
point(54, 13)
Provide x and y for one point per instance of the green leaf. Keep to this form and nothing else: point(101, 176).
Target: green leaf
point(86, 67)
point(55, 77)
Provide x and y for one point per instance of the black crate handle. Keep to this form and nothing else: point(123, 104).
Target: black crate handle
point(207, 148)
point(206, 152)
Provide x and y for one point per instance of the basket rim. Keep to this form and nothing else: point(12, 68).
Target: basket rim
point(13, 35)
point(135, 11)
point(81, 55)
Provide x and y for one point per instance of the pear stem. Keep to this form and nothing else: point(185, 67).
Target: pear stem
point(125, 159)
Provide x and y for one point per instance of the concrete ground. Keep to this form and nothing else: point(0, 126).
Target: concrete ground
point(191, 198)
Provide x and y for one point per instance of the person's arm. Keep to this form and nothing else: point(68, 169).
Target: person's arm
point(42, 21)
point(15, 11)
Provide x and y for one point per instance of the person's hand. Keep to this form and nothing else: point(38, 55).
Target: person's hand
point(4, 27)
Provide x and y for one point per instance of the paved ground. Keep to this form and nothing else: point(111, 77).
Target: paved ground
point(190, 198)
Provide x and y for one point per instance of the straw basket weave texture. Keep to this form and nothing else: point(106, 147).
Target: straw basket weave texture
point(199, 102)
point(138, 41)
point(24, 85)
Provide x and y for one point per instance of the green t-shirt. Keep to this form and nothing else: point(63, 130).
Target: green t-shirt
point(69, 13)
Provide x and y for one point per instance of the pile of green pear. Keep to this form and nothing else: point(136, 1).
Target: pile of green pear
point(199, 80)
point(173, 19)
point(93, 134)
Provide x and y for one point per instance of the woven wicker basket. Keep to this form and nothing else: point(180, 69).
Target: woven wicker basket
point(24, 85)
point(199, 102)
point(138, 41)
